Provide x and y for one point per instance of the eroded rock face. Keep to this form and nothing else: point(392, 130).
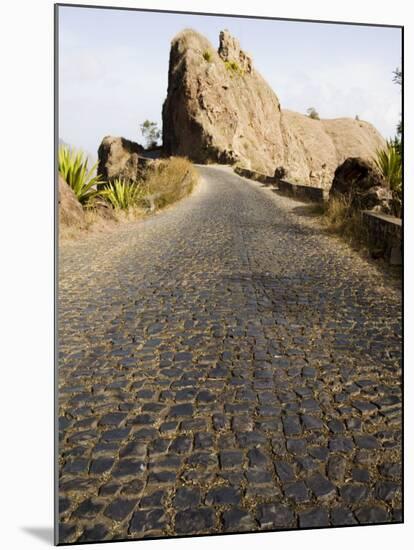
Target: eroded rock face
point(317, 153)
point(70, 210)
point(363, 184)
point(121, 158)
point(220, 109)
point(327, 143)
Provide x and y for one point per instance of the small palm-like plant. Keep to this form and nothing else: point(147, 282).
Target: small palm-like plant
point(123, 195)
point(73, 167)
point(389, 163)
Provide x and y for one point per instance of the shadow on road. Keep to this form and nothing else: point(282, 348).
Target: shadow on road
point(307, 210)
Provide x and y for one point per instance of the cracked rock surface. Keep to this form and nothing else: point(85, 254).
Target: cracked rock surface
point(225, 366)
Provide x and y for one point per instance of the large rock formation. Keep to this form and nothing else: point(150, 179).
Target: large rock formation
point(219, 108)
point(121, 158)
point(70, 210)
point(329, 142)
point(364, 186)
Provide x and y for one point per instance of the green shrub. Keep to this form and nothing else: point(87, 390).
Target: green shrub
point(123, 195)
point(313, 113)
point(165, 183)
point(207, 56)
point(150, 132)
point(233, 68)
point(389, 163)
point(73, 167)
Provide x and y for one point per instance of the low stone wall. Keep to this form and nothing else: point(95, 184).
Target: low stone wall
point(384, 231)
point(385, 234)
point(302, 192)
point(252, 175)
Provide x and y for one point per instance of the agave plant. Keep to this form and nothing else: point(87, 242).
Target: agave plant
point(73, 167)
point(388, 162)
point(123, 195)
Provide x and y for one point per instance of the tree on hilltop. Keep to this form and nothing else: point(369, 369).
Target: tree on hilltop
point(312, 113)
point(150, 132)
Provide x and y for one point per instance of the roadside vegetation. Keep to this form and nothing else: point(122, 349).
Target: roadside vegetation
point(341, 218)
point(389, 163)
point(73, 167)
point(166, 182)
point(339, 214)
point(123, 195)
point(172, 181)
point(397, 141)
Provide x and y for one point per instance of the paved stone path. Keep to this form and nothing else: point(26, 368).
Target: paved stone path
point(225, 366)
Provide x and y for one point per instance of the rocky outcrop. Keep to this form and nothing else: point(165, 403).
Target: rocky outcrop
point(365, 187)
point(326, 143)
point(220, 109)
point(70, 210)
point(318, 154)
point(121, 158)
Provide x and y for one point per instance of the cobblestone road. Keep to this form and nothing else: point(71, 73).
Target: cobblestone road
point(225, 366)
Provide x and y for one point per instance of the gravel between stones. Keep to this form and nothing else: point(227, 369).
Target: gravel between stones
point(225, 366)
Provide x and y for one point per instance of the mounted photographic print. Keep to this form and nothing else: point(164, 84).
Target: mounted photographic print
point(229, 274)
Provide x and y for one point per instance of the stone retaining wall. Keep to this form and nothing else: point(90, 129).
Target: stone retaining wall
point(385, 233)
point(252, 175)
point(302, 192)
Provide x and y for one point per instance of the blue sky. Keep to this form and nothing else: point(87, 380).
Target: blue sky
point(113, 68)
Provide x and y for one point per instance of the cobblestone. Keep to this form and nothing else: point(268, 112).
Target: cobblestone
point(120, 508)
point(237, 520)
point(342, 516)
point(225, 366)
point(275, 516)
point(315, 517)
point(196, 521)
point(321, 487)
point(96, 533)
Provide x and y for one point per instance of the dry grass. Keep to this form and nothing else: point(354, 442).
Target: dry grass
point(233, 68)
point(169, 181)
point(346, 223)
point(95, 222)
point(340, 218)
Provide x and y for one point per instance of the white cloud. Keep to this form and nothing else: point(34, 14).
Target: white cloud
point(106, 92)
point(347, 90)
